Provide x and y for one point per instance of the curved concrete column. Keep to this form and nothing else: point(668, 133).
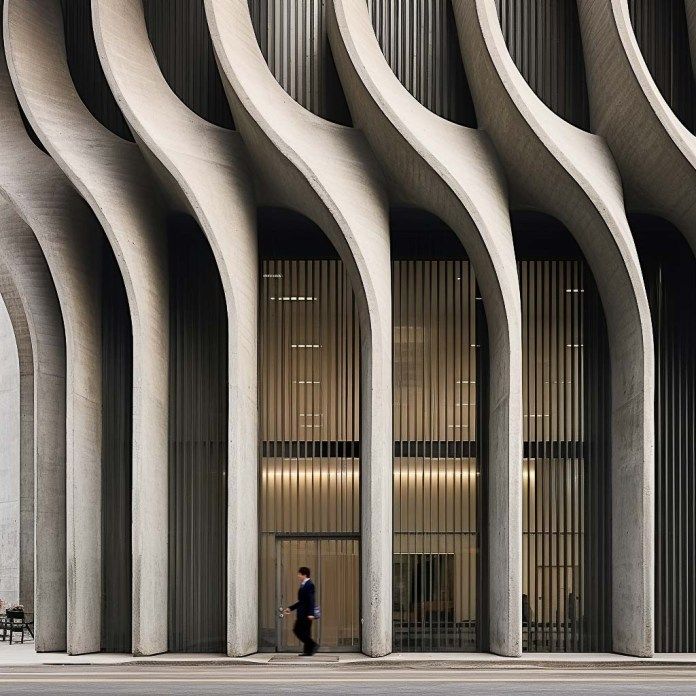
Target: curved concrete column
point(30, 297)
point(18, 440)
point(203, 169)
point(17, 456)
point(654, 151)
point(111, 175)
point(70, 241)
point(453, 172)
point(556, 168)
point(328, 173)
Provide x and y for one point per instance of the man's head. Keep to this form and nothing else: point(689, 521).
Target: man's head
point(303, 573)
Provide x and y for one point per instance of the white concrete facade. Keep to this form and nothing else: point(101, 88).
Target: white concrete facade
point(112, 176)
point(522, 155)
point(10, 461)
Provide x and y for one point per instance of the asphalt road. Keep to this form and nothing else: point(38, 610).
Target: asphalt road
point(249, 679)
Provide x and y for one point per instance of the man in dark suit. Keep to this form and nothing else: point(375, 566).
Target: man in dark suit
point(305, 612)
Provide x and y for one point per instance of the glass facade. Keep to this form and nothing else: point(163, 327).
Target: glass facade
point(436, 467)
point(309, 478)
point(566, 468)
point(310, 449)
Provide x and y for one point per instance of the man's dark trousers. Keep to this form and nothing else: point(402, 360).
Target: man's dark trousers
point(305, 608)
point(303, 630)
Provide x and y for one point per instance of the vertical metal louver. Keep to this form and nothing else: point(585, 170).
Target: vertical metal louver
point(669, 269)
point(566, 468)
point(197, 445)
point(438, 511)
point(117, 439)
point(310, 447)
point(294, 41)
point(661, 31)
point(543, 37)
point(86, 70)
point(420, 42)
point(178, 31)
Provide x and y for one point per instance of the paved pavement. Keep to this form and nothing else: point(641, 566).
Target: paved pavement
point(24, 672)
point(24, 655)
point(335, 678)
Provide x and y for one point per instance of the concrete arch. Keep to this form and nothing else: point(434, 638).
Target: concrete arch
point(30, 296)
point(328, 173)
point(69, 240)
point(203, 170)
point(654, 151)
point(452, 171)
point(21, 424)
point(11, 457)
point(112, 176)
point(568, 173)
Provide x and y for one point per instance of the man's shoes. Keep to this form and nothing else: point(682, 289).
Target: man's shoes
point(315, 648)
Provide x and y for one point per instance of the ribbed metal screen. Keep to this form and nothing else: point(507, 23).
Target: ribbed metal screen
point(437, 467)
point(543, 37)
point(117, 438)
point(419, 40)
point(178, 31)
point(293, 39)
point(86, 70)
point(661, 30)
point(310, 447)
point(197, 445)
point(669, 270)
point(566, 469)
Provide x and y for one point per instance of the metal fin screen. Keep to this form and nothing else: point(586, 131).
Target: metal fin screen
point(566, 475)
point(197, 445)
point(543, 37)
point(436, 467)
point(310, 441)
point(662, 33)
point(420, 42)
point(669, 269)
point(117, 441)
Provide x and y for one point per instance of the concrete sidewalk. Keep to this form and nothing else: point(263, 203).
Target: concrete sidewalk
point(19, 655)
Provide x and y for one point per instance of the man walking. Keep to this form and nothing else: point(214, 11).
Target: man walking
point(305, 612)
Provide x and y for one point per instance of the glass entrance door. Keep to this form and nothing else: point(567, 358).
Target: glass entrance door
point(335, 567)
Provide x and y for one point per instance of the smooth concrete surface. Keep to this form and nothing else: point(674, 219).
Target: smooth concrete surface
point(30, 296)
point(18, 552)
point(10, 472)
point(328, 173)
point(654, 151)
point(204, 172)
point(558, 169)
point(70, 241)
point(453, 172)
point(112, 176)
